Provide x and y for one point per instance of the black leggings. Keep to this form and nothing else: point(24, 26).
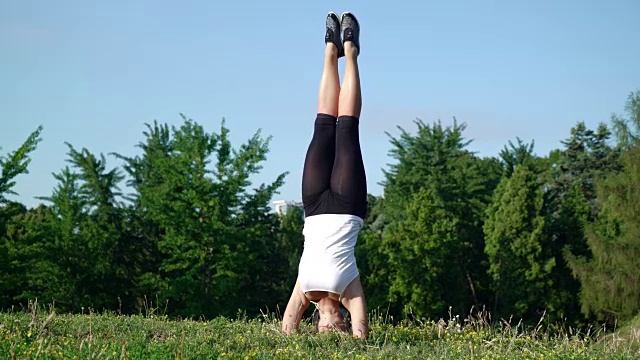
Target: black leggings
point(334, 180)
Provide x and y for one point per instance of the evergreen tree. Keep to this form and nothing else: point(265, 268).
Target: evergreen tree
point(10, 278)
point(609, 276)
point(587, 156)
point(436, 180)
point(422, 251)
point(16, 163)
point(516, 245)
point(102, 232)
point(36, 273)
point(571, 204)
point(12, 165)
point(89, 234)
point(68, 210)
point(514, 155)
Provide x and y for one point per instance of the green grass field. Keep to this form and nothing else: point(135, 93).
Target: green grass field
point(46, 335)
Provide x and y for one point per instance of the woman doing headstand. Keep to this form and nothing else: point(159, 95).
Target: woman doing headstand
point(334, 192)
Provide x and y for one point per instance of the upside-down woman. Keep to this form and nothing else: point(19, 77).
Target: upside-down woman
point(334, 192)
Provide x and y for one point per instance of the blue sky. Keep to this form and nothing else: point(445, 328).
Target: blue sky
point(94, 72)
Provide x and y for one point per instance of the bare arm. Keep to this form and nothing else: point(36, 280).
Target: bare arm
point(296, 307)
point(353, 299)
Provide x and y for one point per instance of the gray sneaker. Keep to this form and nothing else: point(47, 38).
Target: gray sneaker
point(350, 29)
point(332, 35)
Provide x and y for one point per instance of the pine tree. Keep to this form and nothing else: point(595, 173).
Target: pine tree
point(423, 251)
point(12, 165)
point(16, 163)
point(571, 204)
point(609, 276)
point(517, 246)
point(435, 197)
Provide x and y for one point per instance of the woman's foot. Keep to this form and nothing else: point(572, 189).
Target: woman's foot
point(332, 34)
point(350, 29)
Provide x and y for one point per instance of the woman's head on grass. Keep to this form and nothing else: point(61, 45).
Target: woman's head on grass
point(330, 317)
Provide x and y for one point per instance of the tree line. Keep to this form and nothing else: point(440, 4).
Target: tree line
point(518, 234)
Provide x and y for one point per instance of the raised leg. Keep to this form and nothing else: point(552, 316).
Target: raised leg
point(348, 178)
point(318, 164)
point(329, 92)
point(350, 102)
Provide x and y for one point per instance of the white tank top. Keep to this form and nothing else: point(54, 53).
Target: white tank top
point(328, 262)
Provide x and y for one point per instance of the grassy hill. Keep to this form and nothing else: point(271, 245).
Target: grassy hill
point(43, 335)
point(627, 336)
